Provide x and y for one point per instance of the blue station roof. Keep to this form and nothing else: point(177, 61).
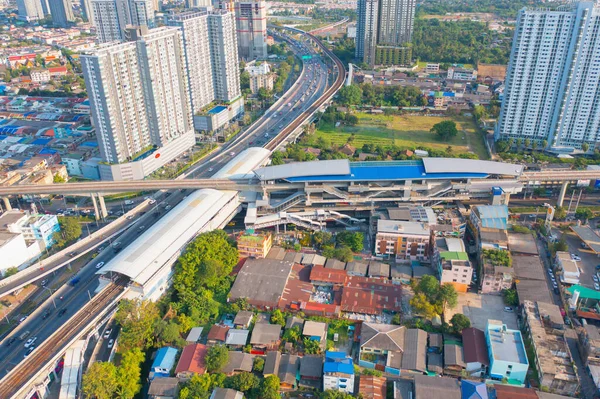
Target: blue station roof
point(386, 171)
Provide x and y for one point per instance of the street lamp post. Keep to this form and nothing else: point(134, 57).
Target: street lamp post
point(50, 290)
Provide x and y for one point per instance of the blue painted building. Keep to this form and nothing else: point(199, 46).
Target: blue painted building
point(473, 390)
point(163, 363)
point(506, 349)
point(338, 372)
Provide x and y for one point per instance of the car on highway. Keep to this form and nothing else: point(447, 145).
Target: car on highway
point(47, 314)
point(31, 349)
point(129, 217)
point(111, 343)
point(10, 341)
point(210, 169)
point(168, 207)
point(62, 312)
point(107, 333)
point(232, 153)
point(575, 257)
point(99, 265)
point(152, 202)
point(44, 282)
point(74, 281)
point(22, 319)
point(72, 254)
point(141, 228)
point(30, 342)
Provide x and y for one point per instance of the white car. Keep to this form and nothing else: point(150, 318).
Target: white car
point(111, 343)
point(232, 153)
point(152, 202)
point(210, 169)
point(595, 278)
point(508, 309)
point(30, 342)
point(99, 265)
point(575, 257)
point(597, 287)
point(107, 333)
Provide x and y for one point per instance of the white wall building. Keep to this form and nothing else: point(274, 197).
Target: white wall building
point(338, 372)
point(366, 30)
point(568, 268)
point(553, 79)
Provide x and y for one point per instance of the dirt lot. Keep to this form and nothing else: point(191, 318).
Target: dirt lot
point(480, 308)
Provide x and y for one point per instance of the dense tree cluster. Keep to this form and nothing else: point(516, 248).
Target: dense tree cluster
point(70, 230)
point(497, 257)
point(431, 298)
point(459, 42)
point(503, 8)
point(104, 380)
point(368, 94)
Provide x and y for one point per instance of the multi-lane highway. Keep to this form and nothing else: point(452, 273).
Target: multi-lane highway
point(303, 98)
point(75, 297)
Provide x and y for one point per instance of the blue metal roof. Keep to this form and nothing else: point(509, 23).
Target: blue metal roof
point(337, 362)
point(41, 140)
point(387, 170)
point(493, 216)
point(165, 358)
point(473, 390)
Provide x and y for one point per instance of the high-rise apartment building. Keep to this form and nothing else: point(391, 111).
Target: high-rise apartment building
point(165, 83)
point(552, 93)
point(30, 10)
point(114, 85)
point(111, 17)
point(139, 100)
point(198, 3)
point(251, 22)
point(62, 12)
point(224, 53)
point(86, 11)
point(366, 30)
point(384, 30)
point(198, 57)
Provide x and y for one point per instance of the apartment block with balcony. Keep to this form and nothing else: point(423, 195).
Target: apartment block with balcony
point(254, 245)
point(338, 372)
point(404, 241)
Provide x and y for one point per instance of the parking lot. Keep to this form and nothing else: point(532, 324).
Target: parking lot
point(479, 308)
point(589, 260)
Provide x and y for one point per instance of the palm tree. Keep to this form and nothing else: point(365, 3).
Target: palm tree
point(519, 142)
point(511, 141)
point(527, 143)
point(544, 144)
point(534, 145)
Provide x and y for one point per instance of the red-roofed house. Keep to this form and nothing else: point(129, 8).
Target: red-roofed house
point(217, 334)
point(319, 275)
point(58, 71)
point(372, 387)
point(191, 361)
point(370, 295)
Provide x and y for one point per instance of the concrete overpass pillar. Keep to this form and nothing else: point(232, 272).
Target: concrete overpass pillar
point(7, 206)
point(95, 206)
point(561, 195)
point(103, 211)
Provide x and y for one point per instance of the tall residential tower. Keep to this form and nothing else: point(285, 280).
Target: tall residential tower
point(552, 94)
point(111, 17)
point(140, 103)
point(251, 21)
point(384, 31)
point(30, 10)
point(62, 13)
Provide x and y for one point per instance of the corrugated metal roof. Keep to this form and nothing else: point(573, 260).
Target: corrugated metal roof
point(243, 163)
point(141, 259)
point(459, 165)
point(312, 168)
point(493, 216)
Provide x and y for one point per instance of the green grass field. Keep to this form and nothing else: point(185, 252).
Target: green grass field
point(406, 131)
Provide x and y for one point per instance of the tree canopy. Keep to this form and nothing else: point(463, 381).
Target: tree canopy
point(137, 319)
point(459, 322)
point(350, 95)
point(216, 358)
point(353, 240)
point(445, 130)
point(431, 298)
